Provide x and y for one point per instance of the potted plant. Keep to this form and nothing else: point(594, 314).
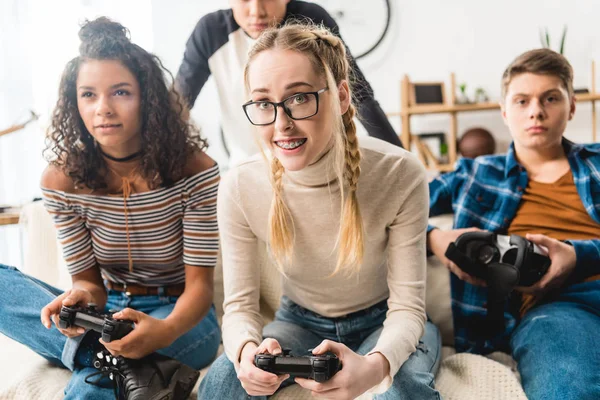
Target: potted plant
point(545, 39)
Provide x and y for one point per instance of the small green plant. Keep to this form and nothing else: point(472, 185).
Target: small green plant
point(462, 95)
point(545, 39)
point(481, 95)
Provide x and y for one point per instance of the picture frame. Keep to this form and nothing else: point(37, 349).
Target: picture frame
point(427, 93)
point(432, 148)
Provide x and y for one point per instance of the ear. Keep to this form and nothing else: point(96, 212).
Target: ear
point(503, 112)
point(572, 108)
point(344, 94)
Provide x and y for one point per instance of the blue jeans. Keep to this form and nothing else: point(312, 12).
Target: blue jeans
point(299, 329)
point(556, 346)
point(21, 322)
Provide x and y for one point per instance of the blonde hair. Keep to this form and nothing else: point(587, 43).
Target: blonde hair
point(327, 54)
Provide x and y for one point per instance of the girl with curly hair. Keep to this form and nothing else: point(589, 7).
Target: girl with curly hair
point(344, 221)
point(133, 197)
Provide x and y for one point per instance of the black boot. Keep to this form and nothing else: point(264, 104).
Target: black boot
point(154, 377)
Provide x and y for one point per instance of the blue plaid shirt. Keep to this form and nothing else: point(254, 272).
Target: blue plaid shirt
point(485, 193)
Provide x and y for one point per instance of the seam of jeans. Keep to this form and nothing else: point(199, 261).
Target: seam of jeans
point(437, 334)
point(197, 343)
point(43, 288)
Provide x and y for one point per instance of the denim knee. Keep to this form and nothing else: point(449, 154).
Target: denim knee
point(416, 377)
point(221, 382)
point(570, 384)
point(554, 346)
point(77, 388)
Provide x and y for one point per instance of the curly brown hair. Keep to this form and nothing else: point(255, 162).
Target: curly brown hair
point(167, 139)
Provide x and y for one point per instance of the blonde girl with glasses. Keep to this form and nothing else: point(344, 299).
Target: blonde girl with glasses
point(344, 222)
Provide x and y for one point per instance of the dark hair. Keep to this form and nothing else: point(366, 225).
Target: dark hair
point(167, 140)
point(540, 61)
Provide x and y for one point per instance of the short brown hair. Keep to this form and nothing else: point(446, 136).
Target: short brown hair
point(539, 61)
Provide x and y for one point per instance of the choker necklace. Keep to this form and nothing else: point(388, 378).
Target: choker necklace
point(127, 158)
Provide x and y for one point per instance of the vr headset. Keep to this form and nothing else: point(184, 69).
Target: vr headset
point(503, 262)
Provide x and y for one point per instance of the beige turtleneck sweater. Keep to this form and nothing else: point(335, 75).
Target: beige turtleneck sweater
point(393, 197)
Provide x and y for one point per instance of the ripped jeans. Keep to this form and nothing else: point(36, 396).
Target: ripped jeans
point(299, 329)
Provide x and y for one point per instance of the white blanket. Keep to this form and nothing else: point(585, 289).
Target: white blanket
point(461, 377)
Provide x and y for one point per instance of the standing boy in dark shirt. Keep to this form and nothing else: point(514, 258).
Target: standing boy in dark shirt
point(219, 45)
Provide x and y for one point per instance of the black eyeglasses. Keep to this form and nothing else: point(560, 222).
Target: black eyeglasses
point(297, 106)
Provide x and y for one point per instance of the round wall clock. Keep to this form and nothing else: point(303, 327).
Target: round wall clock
point(363, 23)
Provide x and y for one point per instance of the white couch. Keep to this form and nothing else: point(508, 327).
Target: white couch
point(26, 375)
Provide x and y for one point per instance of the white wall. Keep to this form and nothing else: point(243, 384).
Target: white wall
point(170, 36)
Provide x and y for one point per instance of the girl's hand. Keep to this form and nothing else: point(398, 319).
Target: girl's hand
point(51, 311)
point(149, 335)
point(255, 381)
point(358, 373)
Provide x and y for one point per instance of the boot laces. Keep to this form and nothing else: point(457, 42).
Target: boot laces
point(109, 367)
point(117, 369)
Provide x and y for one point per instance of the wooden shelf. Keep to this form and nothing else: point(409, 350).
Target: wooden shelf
point(444, 168)
point(452, 108)
point(447, 108)
point(583, 97)
point(9, 218)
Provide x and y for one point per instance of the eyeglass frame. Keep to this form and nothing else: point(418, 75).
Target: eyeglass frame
point(282, 105)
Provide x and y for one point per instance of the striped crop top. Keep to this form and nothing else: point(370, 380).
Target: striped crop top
point(162, 231)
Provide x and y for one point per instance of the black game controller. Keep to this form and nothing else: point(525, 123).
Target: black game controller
point(90, 318)
point(319, 368)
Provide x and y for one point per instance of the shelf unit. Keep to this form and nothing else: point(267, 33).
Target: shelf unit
point(9, 218)
point(452, 108)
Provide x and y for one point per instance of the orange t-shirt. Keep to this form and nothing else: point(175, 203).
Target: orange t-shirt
point(555, 210)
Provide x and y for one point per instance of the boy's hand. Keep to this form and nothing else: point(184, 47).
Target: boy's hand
point(438, 242)
point(563, 259)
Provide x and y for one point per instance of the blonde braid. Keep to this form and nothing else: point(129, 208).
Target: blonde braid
point(280, 221)
point(327, 53)
point(352, 172)
point(351, 236)
point(324, 36)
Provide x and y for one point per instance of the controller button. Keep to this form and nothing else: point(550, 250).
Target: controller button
point(263, 362)
point(320, 376)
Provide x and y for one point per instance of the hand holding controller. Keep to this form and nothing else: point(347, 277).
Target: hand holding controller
point(505, 261)
point(317, 367)
point(90, 318)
